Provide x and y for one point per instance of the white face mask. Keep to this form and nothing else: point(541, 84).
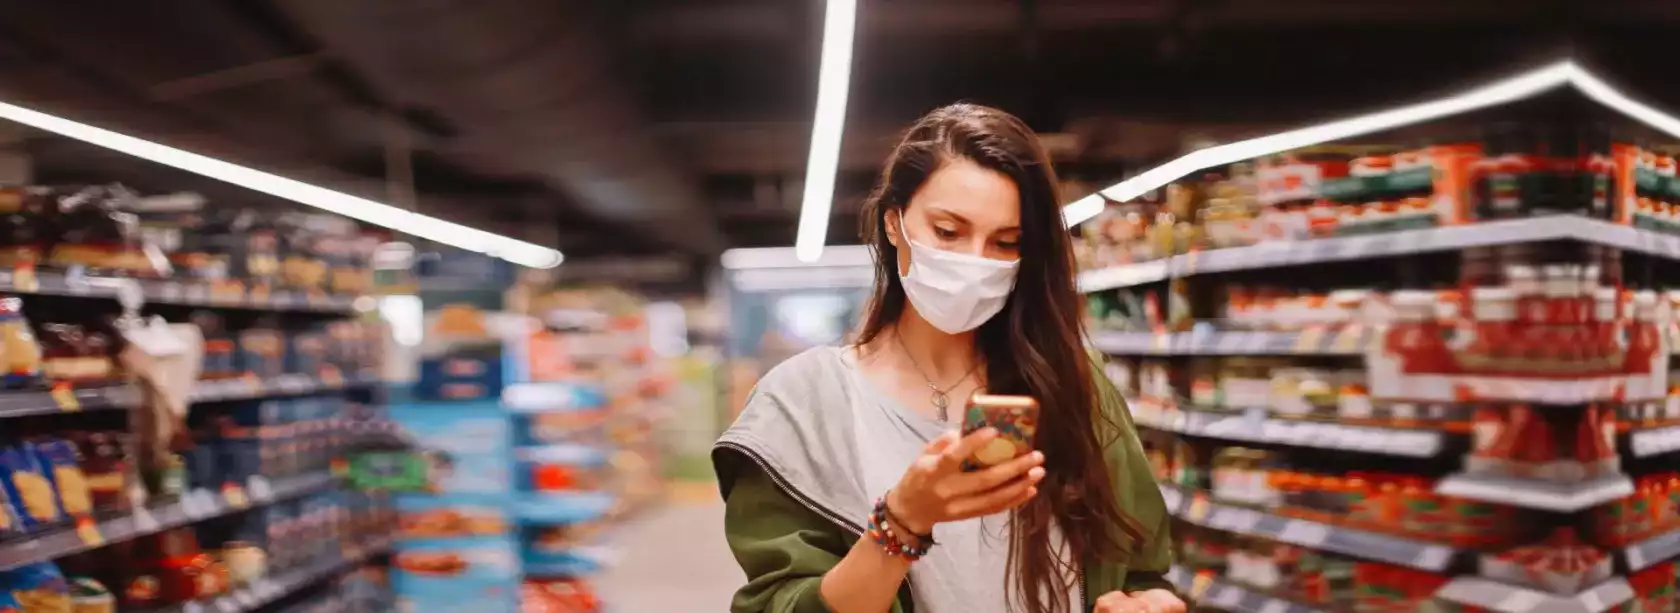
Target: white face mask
point(956, 292)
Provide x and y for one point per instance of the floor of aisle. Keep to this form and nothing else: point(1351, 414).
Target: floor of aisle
point(674, 559)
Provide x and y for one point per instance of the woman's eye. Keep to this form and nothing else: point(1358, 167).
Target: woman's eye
point(944, 233)
point(1008, 245)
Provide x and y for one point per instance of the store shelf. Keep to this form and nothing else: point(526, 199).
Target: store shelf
point(167, 291)
point(1399, 243)
point(1197, 509)
point(40, 402)
point(1125, 275)
point(193, 506)
point(219, 390)
point(582, 560)
point(267, 590)
point(1350, 341)
point(1132, 343)
point(1536, 494)
point(1654, 550)
point(554, 397)
point(563, 508)
point(1654, 441)
point(562, 453)
point(1502, 598)
point(1254, 427)
point(1221, 594)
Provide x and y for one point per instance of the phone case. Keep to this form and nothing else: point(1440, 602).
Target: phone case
point(1017, 425)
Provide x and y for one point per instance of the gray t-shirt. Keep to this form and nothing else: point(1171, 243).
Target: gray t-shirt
point(831, 434)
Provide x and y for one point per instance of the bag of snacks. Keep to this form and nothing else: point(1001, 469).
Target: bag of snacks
point(61, 463)
point(34, 588)
point(26, 481)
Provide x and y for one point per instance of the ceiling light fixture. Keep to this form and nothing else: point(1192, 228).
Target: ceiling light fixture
point(1595, 88)
point(833, 82)
point(376, 213)
point(1499, 92)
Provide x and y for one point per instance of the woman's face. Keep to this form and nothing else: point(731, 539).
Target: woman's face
point(963, 208)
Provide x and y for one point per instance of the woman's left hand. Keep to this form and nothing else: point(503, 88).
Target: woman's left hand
point(1148, 601)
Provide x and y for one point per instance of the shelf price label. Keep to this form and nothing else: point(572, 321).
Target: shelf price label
point(1199, 585)
point(1171, 497)
point(1304, 533)
point(144, 522)
point(265, 588)
point(1435, 558)
point(1349, 339)
point(1311, 340)
point(24, 280)
point(198, 504)
point(235, 496)
point(88, 531)
point(1274, 606)
point(65, 397)
point(1199, 508)
point(260, 489)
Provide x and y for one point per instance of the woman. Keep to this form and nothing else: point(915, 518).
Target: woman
point(974, 290)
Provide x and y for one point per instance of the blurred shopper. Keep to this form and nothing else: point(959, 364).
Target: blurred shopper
point(974, 290)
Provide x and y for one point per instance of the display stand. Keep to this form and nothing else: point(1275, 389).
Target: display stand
point(1409, 378)
point(543, 446)
point(235, 509)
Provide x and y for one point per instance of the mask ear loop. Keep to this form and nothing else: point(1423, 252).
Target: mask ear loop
point(903, 240)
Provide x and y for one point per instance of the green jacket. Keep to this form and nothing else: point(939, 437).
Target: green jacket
point(785, 547)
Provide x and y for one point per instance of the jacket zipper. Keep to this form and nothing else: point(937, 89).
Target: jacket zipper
point(788, 489)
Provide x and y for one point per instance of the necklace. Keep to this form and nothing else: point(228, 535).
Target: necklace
point(941, 398)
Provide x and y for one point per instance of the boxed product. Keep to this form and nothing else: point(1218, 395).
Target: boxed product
point(61, 464)
point(34, 587)
point(262, 352)
point(27, 483)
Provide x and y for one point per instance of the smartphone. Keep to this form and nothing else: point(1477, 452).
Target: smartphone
point(1014, 417)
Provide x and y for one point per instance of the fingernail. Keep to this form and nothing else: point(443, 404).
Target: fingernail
point(1036, 474)
point(989, 431)
point(1038, 456)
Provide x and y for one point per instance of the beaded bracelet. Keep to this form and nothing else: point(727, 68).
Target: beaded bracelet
point(881, 531)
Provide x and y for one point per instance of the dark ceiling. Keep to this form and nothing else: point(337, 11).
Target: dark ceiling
point(642, 127)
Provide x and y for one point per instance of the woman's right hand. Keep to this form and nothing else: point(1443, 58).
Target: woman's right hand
point(935, 488)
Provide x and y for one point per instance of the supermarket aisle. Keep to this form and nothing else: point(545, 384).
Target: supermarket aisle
point(674, 560)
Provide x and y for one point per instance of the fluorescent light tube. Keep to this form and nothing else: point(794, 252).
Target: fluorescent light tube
point(1593, 87)
point(833, 82)
point(1499, 92)
point(431, 228)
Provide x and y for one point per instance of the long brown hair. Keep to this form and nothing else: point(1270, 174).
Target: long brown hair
point(1034, 347)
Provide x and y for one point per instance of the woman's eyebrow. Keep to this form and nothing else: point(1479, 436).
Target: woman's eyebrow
point(955, 216)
